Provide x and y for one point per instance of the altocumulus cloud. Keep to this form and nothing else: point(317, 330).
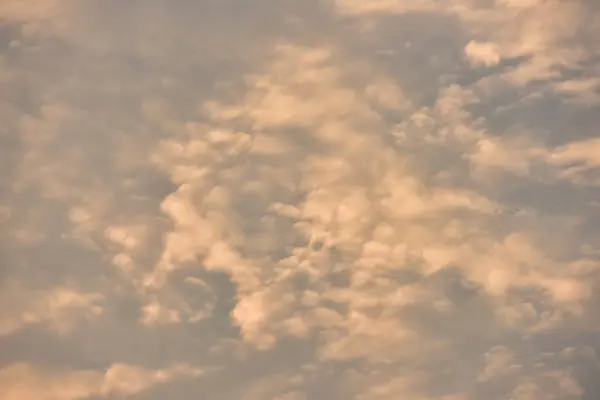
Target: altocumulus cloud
point(344, 199)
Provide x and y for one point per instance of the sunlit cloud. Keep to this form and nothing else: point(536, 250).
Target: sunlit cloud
point(355, 200)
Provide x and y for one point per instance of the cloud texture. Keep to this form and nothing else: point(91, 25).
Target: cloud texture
point(344, 199)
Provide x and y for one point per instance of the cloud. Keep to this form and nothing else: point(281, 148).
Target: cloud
point(577, 161)
point(23, 381)
point(485, 53)
point(341, 206)
point(32, 12)
point(321, 202)
point(354, 7)
point(59, 308)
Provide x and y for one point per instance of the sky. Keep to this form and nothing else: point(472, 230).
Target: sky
point(300, 200)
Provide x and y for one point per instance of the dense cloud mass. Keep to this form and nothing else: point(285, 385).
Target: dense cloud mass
point(298, 200)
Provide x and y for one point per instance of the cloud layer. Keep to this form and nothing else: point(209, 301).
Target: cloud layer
point(353, 199)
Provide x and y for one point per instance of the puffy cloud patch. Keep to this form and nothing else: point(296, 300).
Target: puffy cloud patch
point(315, 217)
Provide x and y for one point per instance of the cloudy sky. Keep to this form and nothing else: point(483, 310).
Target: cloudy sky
point(300, 200)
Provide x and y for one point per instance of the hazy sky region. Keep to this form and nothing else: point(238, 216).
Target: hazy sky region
point(300, 199)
